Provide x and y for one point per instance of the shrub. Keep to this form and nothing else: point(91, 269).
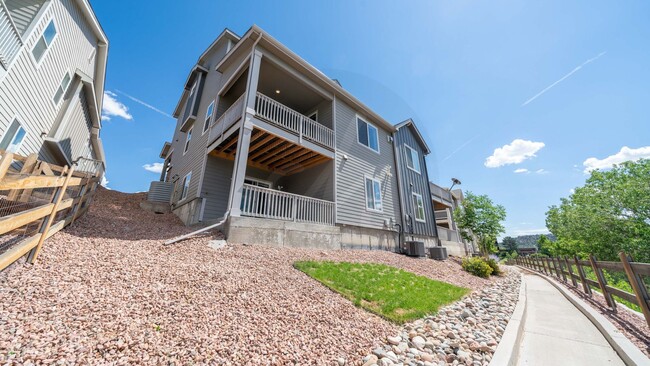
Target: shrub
point(477, 266)
point(496, 271)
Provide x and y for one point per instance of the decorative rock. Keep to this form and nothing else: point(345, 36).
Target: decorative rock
point(341, 361)
point(394, 340)
point(418, 342)
point(370, 360)
point(451, 335)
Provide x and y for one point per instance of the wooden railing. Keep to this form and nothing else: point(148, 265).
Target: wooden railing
point(10, 41)
point(441, 194)
point(271, 204)
point(295, 122)
point(448, 235)
point(443, 215)
point(37, 200)
point(574, 270)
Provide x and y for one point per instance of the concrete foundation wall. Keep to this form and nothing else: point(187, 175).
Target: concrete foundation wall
point(454, 248)
point(355, 237)
point(189, 212)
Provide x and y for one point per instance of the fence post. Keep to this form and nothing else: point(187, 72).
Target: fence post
point(570, 270)
point(559, 262)
point(28, 167)
point(5, 163)
point(602, 283)
point(583, 278)
point(638, 286)
point(60, 192)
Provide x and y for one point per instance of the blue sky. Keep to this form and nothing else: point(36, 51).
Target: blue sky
point(569, 80)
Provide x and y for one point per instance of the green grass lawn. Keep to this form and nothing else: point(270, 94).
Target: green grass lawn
point(392, 293)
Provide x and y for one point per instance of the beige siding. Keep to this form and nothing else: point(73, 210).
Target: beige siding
point(350, 181)
point(26, 91)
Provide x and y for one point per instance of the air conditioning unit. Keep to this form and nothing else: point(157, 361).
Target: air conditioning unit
point(438, 253)
point(415, 248)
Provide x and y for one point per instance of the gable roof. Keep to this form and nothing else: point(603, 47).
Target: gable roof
point(410, 123)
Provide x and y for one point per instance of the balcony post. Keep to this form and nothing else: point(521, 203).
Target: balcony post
point(245, 132)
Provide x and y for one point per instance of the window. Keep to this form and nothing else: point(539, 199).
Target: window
point(13, 138)
point(187, 140)
point(186, 186)
point(313, 116)
point(44, 41)
point(418, 205)
point(412, 159)
point(373, 194)
point(367, 134)
point(257, 182)
point(208, 116)
point(60, 91)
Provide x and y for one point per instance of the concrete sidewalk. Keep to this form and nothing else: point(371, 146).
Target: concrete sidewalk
point(556, 333)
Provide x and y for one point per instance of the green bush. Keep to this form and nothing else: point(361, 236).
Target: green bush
point(496, 271)
point(477, 266)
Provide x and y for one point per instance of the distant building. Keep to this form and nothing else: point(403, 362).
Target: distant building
point(52, 68)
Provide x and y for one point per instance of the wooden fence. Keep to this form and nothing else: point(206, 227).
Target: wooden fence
point(573, 270)
point(37, 200)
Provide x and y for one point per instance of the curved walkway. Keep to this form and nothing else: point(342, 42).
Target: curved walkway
point(556, 333)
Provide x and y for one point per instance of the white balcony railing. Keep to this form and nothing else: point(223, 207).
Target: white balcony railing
point(288, 119)
point(227, 119)
point(448, 235)
point(10, 41)
point(271, 204)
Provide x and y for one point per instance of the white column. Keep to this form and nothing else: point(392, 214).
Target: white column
point(245, 131)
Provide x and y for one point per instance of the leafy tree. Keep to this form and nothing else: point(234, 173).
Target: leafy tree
point(610, 213)
point(478, 216)
point(509, 243)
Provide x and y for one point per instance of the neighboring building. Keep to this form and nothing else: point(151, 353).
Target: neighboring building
point(287, 153)
point(444, 204)
point(52, 69)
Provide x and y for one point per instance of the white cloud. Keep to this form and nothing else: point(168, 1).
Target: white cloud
point(517, 232)
point(626, 154)
point(112, 107)
point(541, 171)
point(521, 170)
point(154, 168)
point(104, 182)
point(145, 104)
point(514, 153)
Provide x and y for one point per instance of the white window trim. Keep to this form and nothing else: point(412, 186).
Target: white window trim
point(188, 139)
point(260, 181)
point(365, 190)
point(187, 193)
point(38, 63)
point(356, 126)
point(415, 208)
point(20, 125)
point(417, 155)
point(205, 121)
point(56, 104)
point(314, 113)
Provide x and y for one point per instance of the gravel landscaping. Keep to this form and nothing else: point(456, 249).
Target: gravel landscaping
point(464, 333)
point(108, 291)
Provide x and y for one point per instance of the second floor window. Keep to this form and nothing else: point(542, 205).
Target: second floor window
point(60, 91)
point(208, 116)
point(412, 159)
point(44, 41)
point(13, 138)
point(373, 194)
point(367, 134)
point(187, 140)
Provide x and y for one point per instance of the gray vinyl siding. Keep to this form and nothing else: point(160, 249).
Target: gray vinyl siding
point(26, 90)
point(216, 187)
point(413, 182)
point(324, 113)
point(316, 182)
point(350, 181)
point(74, 137)
point(195, 159)
point(23, 12)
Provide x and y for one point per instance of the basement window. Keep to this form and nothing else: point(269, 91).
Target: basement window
point(373, 195)
point(13, 138)
point(367, 135)
point(186, 186)
point(44, 41)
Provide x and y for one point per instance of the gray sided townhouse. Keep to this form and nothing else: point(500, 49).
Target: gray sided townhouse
point(289, 157)
point(52, 68)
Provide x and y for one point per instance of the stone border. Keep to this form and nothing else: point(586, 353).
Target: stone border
point(629, 353)
point(507, 351)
